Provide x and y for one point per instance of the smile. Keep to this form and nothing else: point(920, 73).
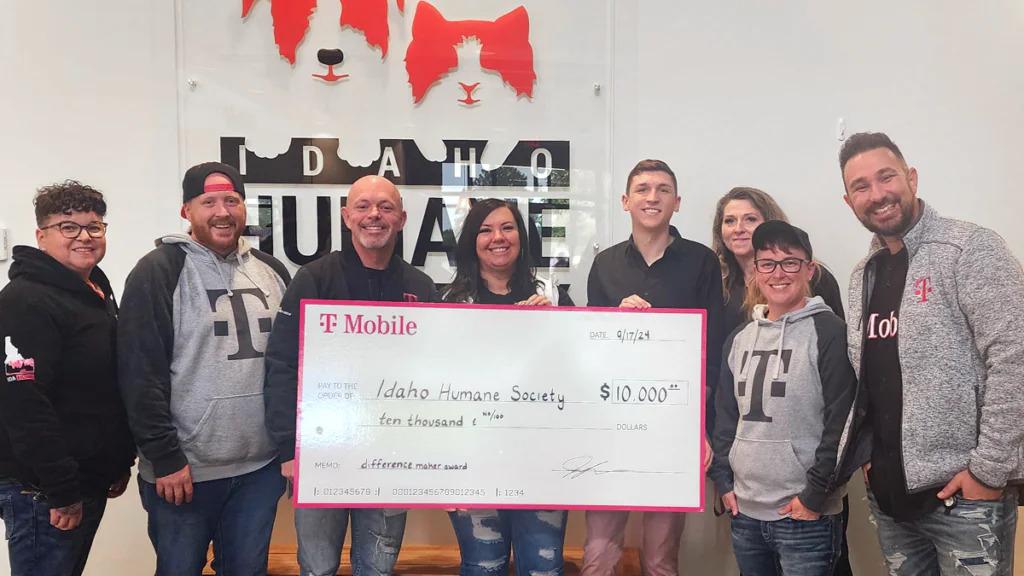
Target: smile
point(885, 210)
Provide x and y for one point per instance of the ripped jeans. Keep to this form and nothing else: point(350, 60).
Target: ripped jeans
point(536, 538)
point(376, 539)
point(974, 539)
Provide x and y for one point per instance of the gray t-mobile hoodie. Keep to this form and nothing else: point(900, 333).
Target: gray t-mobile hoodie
point(783, 402)
point(194, 335)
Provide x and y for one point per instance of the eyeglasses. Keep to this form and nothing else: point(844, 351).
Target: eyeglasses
point(72, 230)
point(791, 265)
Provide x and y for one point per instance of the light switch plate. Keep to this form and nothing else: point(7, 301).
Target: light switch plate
point(4, 248)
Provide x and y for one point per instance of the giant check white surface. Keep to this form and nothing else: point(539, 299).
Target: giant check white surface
point(476, 406)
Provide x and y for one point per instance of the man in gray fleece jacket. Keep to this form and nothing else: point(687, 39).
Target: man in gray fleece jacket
point(936, 333)
point(194, 325)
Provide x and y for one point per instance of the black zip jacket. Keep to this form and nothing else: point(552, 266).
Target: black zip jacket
point(335, 276)
point(63, 432)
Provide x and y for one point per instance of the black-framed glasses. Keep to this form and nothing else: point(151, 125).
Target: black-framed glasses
point(791, 265)
point(72, 230)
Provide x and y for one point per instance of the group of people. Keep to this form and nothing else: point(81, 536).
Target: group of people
point(921, 388)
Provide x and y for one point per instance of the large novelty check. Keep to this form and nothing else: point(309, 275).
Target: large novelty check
point(513, 406)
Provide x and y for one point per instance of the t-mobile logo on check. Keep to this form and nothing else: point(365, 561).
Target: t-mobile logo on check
point(379, 325)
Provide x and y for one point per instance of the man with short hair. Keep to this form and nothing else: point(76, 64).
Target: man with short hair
point(195, 321)
point(656, 268)
point(65, 446)
point(369, 271)
point(935, 332)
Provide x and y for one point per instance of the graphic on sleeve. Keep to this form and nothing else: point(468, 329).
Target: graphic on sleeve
point(777, 388)
point(17, 368)
point(240, 316)
point(505, 49)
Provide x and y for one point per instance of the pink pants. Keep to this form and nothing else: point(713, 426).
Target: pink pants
point(659, 549)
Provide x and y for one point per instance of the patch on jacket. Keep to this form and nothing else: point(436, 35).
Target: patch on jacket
point(15, 367)
point(922, 288)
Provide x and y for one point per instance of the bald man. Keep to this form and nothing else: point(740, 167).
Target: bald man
point(195, 319)
point(369, 271)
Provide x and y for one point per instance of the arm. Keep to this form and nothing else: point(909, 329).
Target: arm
point(145, 344)
point(26, 411)
point(281, 385)
point(711, 297)
point(991, 286)
point(838, 386)
point(595, 290)
point(825, 285)
point(434, 296)
point(726, 419)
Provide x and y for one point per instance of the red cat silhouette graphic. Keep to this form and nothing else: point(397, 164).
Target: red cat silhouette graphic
point(291, 22)
point(505, 49)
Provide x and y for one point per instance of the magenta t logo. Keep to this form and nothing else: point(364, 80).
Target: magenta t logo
point(922, 288)
point(328, 322)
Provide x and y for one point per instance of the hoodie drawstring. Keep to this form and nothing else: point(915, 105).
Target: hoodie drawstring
point(753, 344)
point(241, 268)
point(778, 358)
point(223, 279)
point(750, 352)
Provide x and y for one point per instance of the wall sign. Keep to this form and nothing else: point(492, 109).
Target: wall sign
point(452, 100)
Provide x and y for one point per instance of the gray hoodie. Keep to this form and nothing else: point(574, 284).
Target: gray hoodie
point(193, 375)
point(778, 424)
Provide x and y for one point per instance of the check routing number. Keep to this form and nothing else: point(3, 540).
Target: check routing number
point(499, 407)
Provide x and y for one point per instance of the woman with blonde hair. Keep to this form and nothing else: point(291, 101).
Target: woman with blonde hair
point(738, 213)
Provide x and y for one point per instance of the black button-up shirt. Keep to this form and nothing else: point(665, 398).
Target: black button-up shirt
point(688, 275)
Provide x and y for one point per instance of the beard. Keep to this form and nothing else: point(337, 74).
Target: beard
point(374, 241)
point(895, 228)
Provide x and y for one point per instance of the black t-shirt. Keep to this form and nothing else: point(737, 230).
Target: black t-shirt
point(883, 380)
point(485, 296)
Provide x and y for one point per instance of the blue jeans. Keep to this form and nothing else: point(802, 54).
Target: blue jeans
point(376, 539)
point(975, 537)
point(787, 546)
point(536, 539)
point(236, 514)
point(34, 546)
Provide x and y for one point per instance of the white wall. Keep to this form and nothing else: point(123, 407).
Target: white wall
point(729, 93)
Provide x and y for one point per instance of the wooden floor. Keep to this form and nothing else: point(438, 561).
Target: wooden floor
point(432, 560)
